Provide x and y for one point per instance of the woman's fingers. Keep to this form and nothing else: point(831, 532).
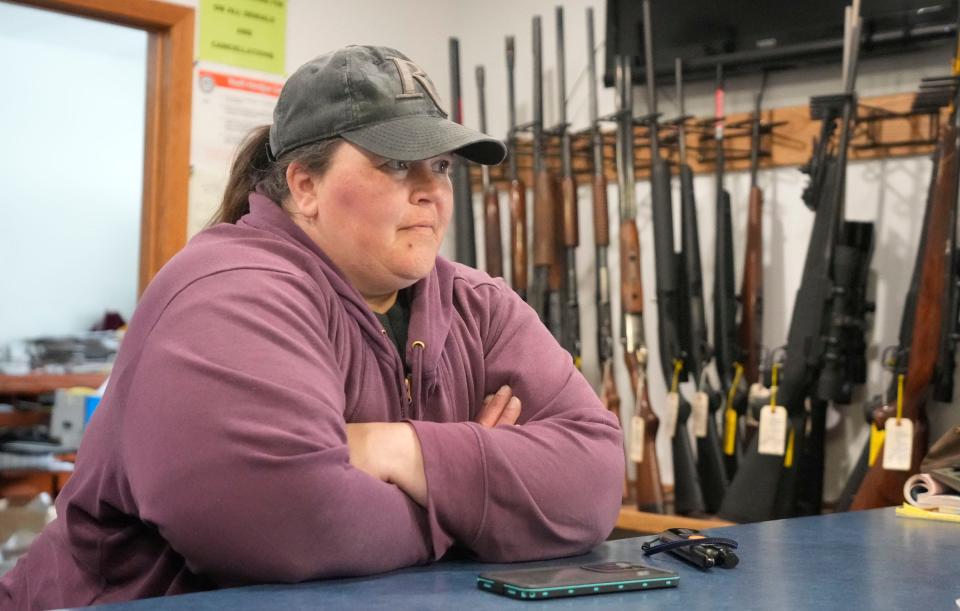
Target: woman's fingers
point(493, 407)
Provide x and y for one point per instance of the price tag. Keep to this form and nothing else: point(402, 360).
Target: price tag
point(673, 410)
point(701, 411)
point(637, 429)
point(898, 444)
point(773, 431)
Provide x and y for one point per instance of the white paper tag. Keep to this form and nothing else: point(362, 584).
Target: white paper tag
point(773, 431)
point(670, 416)
point(637, 429)
point(898, 444)
point(701, 411)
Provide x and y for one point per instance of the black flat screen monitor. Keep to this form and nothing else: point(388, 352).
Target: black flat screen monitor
point(754, 35)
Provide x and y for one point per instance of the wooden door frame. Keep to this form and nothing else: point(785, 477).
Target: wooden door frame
point(166, 159)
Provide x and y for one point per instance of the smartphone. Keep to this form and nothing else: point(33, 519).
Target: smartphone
point(579, 580)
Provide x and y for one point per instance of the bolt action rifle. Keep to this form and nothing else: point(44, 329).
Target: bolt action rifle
point(688, 497)
point(931, 302)
point(710, 463)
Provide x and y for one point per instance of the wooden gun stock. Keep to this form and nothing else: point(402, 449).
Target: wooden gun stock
point(518, 236)
point(571, 231)
point(544, 226)
point(611, 401)
point(649, 487)
point(751, 292)
point(491, 215)
point(631, 284)
point(881, 487)
point(557, 263)
point(601, 214)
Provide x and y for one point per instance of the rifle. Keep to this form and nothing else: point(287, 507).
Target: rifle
point(710, 463)
point(601, 233)
point(724, 297)
point(466, 247)
point(688, 497)
point(751, 290)
point(491, 199)
point(571, 238)
point(935, 256)
point(544, 231)
point(765, 486)
point(518, 190)
point(649, 489)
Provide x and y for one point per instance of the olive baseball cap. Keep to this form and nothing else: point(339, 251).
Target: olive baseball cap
point(378, 99)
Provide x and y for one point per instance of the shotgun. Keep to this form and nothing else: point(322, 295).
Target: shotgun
point(568, 189)
point(518, 190)
point(491, 199)
point(601, 234)
point(710, 459)
point(466, 246)
point(688, 497)
point(649, 488)
point(544, 231)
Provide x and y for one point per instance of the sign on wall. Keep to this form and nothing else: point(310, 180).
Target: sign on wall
point(245, 33)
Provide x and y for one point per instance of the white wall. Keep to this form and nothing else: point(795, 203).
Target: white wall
point(72, 119)
point(890, 192)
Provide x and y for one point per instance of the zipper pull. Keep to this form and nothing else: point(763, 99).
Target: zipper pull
point(407, 382)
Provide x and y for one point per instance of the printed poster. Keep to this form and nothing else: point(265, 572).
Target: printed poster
point(248, 34)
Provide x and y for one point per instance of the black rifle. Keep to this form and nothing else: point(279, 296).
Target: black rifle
point(766, 486)
point(726, 346)
point(466, 246)
point(710, 462)
point(570, 230)
point(688, 497)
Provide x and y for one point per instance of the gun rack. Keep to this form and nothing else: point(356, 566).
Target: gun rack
point(887, 127)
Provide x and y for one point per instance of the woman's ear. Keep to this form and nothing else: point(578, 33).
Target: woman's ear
point(302, 185)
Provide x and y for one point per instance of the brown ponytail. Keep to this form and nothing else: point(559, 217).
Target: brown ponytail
point(252, 167)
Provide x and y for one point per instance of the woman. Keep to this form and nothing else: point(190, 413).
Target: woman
point(307, 390)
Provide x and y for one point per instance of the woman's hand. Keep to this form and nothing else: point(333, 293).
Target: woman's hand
point(499, 408)
point(390, 452)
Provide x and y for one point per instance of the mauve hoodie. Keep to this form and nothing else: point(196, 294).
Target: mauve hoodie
point(218, 456)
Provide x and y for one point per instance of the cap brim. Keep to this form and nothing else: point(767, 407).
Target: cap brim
point(420, 137)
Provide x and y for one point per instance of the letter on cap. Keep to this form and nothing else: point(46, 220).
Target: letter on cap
point(409, 72)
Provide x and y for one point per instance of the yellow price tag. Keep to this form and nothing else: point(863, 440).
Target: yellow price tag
point(730, 414)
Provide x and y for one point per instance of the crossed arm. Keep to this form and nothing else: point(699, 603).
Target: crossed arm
point(390, 451)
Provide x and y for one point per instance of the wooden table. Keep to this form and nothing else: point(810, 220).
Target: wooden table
point(652, 523)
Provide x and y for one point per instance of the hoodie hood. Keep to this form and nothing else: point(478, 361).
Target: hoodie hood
point(431, 298)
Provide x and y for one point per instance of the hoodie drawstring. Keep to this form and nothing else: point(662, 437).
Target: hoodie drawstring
point(418, 348)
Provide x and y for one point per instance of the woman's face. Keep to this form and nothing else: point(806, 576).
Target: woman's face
point(380, 220)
